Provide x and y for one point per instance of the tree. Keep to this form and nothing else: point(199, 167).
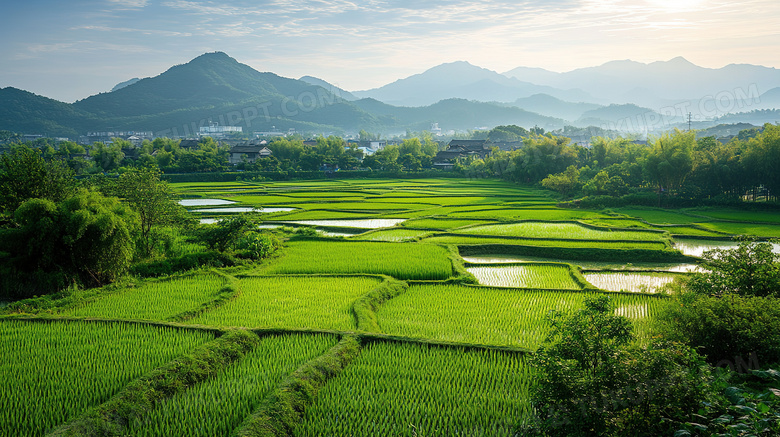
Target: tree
point(671, 159)
point(24, 174)
point(151, 198)
point(85, 239)
point(591, 382)
point(108, 157)
point(564, 182)
point(750, 269)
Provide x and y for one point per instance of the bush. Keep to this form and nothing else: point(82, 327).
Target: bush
point(724, 327)
point(183, 263)
point(590, 381)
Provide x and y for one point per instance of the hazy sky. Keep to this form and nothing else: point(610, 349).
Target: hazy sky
point(69, 50)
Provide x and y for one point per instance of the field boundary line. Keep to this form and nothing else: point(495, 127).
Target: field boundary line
point(283, 409)
point(113, 417)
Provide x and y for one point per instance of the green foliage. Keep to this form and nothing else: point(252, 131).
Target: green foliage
point(86, 239)
point(151, 198)
point(751, 269)
point(24, 175)
point(191, 261)
point(724, 327)
point(589, 382)
point(565, 182)
point(747, 404)
point(81, 366)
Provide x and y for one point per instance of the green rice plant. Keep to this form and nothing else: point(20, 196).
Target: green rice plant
point(217, 406)
point(463, 239)
point(53, 371)
point(291, 302)
point(559, 230)
point(739, 215)
point(317, 214)
point(491, 316)
point(526, 214)
point(434, 223)
point(399, 260)
point(526, 276)
point(396, 235)
point(635, 282)
point(757, 229)
point(660, 216)
point(154, 300)
point(368, 223)
point(403, 389)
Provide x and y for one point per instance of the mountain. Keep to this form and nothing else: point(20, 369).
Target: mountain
point(770, 99)
point(342, 93)
point(24, 112)
point(546, 104)
point(657, 84)
point(121, 85)
point(464, 81)
point(627, 118)
point(456, 114)
point(216, 87)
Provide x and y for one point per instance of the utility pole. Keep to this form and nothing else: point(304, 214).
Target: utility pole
point(689, 122)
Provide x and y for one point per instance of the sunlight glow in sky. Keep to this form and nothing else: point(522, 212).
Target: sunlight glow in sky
point(70, 50)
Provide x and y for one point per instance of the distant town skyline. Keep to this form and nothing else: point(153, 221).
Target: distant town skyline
point(70, 50)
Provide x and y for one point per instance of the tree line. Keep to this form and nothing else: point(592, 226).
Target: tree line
point(676, 166)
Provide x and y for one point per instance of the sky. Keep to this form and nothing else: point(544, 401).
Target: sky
point(71, 50)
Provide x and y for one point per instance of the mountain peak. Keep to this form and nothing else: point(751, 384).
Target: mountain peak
point(212, 57)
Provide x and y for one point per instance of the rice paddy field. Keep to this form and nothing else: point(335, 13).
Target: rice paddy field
point(291, 302)
point(52, 372)
point(526, 276)
point(491, 316)
point(434, 356)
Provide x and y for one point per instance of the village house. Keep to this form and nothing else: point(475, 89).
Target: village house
point(252, 150)
point(458, 149)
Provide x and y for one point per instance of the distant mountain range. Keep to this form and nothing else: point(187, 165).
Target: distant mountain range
point(214, 87)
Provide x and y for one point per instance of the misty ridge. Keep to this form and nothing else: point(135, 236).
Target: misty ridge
point(623, 96)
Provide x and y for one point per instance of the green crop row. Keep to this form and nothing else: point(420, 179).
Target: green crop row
point(396, 389)
point(399, 260)
point(491, 316)
point(218, 406)
point(155, 300)
point(559, 230)
point(395, 235)
point(526, 276)
point(480, 240)
point(52, 372)
point(291, 302)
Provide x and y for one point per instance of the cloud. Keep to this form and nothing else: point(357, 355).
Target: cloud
point(130, 4)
